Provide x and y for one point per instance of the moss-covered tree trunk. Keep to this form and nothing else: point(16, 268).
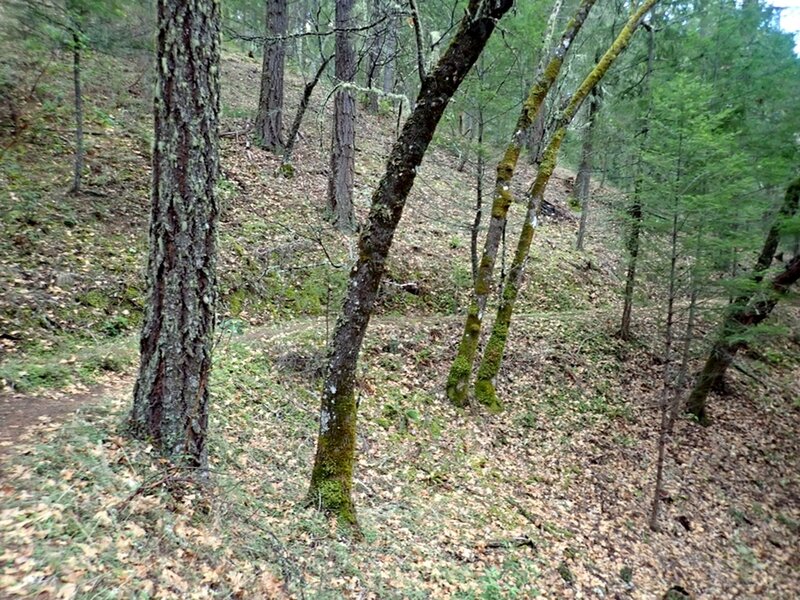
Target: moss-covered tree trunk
point(332, 476)
point(343, 145)
point(461, 370)
point(747, 310)
point(495, 347)
point(584, 177)
point(269, 118)
point(170, 405)
point(535, 136)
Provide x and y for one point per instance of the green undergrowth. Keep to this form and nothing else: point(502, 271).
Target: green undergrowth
point(74, 363)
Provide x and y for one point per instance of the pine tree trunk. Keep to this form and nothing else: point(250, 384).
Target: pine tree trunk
point(332, 476)
point(269, 118)
point(745, 311)
point(76, 80)
point(584, 177)
point(495, 347)
point(461, 370)
point(170, 405)
point(343, 149)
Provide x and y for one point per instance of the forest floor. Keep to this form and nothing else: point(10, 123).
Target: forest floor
point(550, 498)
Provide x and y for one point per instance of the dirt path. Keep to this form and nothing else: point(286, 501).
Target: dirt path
point(21, 413)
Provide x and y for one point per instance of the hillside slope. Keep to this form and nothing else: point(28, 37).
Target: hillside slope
point(549, 498)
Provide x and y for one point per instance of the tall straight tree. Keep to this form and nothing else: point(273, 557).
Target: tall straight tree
point(170, 404)
point(584, 177)
point(461, 370)
point(269, 118)
point(495, 347)
point(332, 476)
point(343, 145)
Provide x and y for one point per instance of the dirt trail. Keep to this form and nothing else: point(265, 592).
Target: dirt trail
point(21, 412)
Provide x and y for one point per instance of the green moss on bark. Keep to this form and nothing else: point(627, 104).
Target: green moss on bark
point(458, 380)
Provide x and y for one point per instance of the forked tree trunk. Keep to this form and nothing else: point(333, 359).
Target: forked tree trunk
point(584, 177)
point(332, 476)
point(269, 119)
point(747, 311)
point(343, 146)
point(461, 370)
point(495, 347)
point(170, 405)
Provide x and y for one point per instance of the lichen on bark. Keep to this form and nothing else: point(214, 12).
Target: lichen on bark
point(170, 405)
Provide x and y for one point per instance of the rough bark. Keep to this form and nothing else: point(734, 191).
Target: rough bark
point(584, 177)
point(269, 118)
point(746, 311)
point(331, 479)
point(170, 405)
point(461, 370)
point(343, 148)
point(76, 80)
point(495, 347)
point(635, 209)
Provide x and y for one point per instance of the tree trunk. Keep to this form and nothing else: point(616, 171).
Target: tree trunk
point(476, 224)
point(584, 176)
point(461, 370)
point(269, 119)
point(746, 311)
point(635, 210)
point(76, 80)
point(170, 406)
point(390, 49)
point(535, 135)
point(495, 347)
point(332, 476)
point(343, 149)
point(377, 40)
point(286, 169)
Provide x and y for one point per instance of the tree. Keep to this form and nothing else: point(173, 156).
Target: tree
point(332, 475)
point(269, 118)
point(748, 310)
point(461, 370)
point(170, 404)
point(584, 175)
point(343, 148)
point(495, 347)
